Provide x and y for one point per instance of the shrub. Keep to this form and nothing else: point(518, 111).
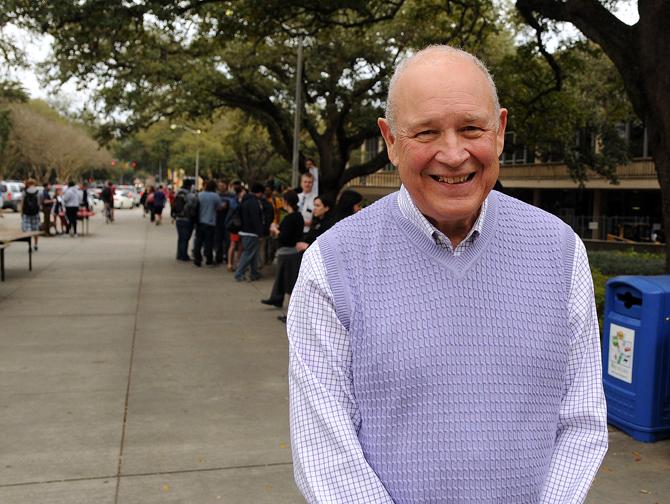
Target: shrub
point(627, 263)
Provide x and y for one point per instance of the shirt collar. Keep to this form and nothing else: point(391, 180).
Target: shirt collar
point(412, 213)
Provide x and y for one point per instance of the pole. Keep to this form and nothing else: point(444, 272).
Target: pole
point(298, 109)
point(197, 165)
point(160, 172)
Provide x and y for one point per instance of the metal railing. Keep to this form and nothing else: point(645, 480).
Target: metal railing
point(641, 168)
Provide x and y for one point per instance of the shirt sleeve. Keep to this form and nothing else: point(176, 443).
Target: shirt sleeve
point(328, 460)
point(581, 438)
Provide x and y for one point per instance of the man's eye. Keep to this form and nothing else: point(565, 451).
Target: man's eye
point(472, 129)
point(425, 133)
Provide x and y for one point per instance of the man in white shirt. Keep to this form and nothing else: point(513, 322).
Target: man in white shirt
point(306, 198)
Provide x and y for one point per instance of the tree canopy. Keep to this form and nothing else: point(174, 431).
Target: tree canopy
point(156, 59)
point(640, 55)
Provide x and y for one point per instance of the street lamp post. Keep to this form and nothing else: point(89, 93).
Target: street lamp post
point(296, 122)
point(197, 149)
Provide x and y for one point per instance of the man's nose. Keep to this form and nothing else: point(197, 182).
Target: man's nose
point(451, 149)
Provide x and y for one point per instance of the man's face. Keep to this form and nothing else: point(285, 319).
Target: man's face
point(223, 187)
point(309, 164)
point(447, 139)
point(306, 184)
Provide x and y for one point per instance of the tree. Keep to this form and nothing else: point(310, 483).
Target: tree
point(639, 52)
point(43, 144)
point(576, 123)
point(156, 59)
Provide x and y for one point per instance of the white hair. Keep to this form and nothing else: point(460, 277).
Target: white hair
point(439, 49)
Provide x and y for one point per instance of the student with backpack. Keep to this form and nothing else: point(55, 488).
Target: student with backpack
point(30, 209)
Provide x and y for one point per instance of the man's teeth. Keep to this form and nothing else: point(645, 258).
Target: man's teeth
point(451, 180)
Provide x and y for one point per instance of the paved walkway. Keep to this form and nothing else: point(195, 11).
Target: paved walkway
point(126, 377)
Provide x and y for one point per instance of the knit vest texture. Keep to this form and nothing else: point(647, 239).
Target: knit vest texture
point(458, 362)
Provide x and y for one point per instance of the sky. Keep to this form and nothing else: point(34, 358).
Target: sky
point(38, 47)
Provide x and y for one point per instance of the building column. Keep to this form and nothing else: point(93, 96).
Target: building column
point(597, 212)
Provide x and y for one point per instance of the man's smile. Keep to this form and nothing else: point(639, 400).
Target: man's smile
point(453, 180)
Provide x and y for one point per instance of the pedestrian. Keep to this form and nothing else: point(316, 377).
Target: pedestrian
point(306, 198)
point(235, 246)
point(58, 212)
point(30, 209)
point(311, 168)
point(159, 204)
point(184, 211)
point(47, 202)
point(107, 197)
point(251, 215)
point(288, 259)
point(208, 202)
point(220, 233)
point(149, 203)
point(444, 342)
point(143, 202)
point(323, 219)
point(71, 200)
point(171, 196)
point(264, 256)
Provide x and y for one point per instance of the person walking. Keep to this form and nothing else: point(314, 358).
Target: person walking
point(149, 203)
point(159, 204)
point(444, 342)
point(251, 215)
point(30, 209)
point(208, 202)
point(71, 200)
point(107, 197)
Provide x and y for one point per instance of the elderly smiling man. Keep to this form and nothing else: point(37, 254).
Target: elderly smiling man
point(444, 341)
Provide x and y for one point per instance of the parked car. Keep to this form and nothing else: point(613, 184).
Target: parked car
point(134, 192)
point(123, 199)
point(12, 194)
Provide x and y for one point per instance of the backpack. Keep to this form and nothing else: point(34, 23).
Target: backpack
point(30, 204)
point(191, 208)
point(179, 204)
point(234, 223)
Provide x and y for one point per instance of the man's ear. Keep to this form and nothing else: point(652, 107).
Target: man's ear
point(389, 138)
point(500, 135)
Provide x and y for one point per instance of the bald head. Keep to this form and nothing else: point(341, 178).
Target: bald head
point(430, 55)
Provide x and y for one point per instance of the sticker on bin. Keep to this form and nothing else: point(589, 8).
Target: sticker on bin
point(622, 342)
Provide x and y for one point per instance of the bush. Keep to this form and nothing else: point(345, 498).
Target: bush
point(627, 263)
point(599, 281)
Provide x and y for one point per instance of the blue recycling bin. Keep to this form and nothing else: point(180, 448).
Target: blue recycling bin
point(636, 355)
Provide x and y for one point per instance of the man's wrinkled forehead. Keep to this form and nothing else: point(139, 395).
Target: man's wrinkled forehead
point(430, 64)
point(444, 64)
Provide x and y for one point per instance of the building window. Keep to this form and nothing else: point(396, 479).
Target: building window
point(513, 152)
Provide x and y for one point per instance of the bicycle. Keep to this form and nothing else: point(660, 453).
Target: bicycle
point(109, 213)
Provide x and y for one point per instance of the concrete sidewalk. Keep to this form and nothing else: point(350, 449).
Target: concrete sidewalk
point(126, 377)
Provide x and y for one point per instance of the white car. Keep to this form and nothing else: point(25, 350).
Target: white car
point(123, 199)
point(133, 191)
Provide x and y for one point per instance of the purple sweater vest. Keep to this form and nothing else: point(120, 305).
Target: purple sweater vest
point(458, 363)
